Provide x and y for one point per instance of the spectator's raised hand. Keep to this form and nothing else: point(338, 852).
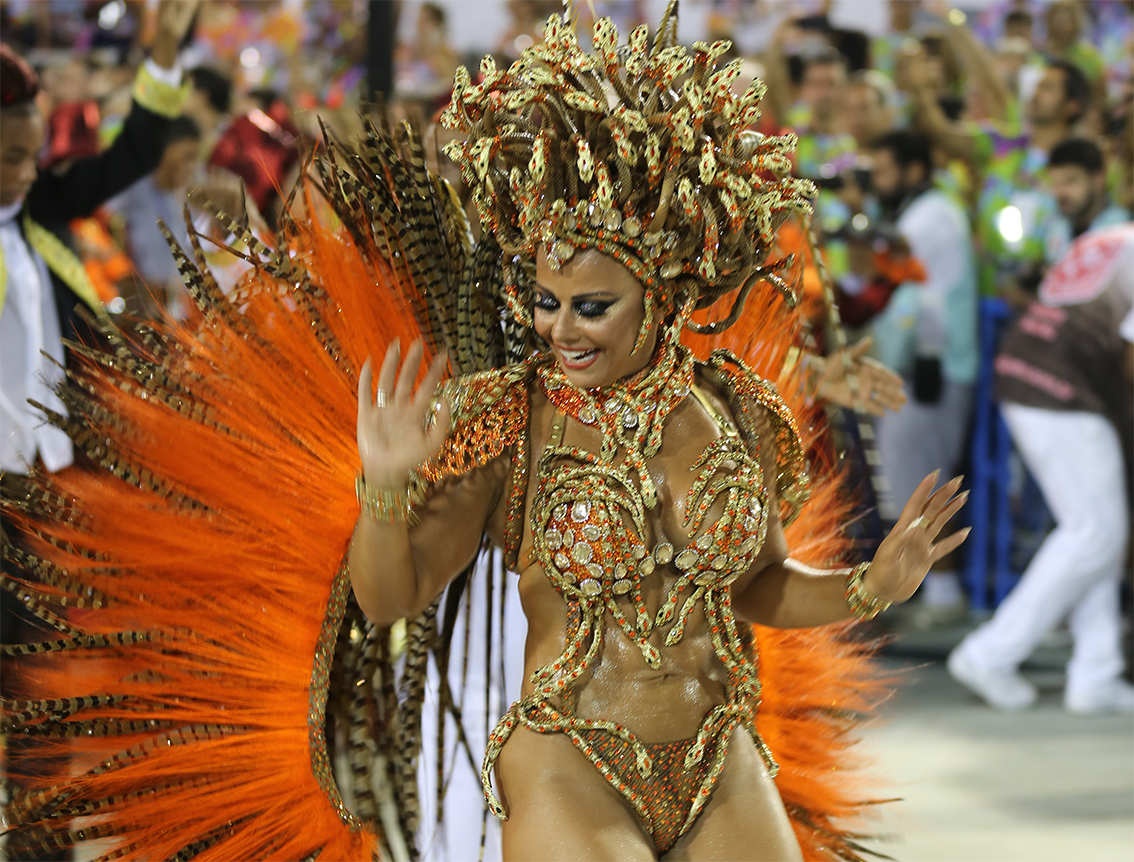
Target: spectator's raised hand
point(851, 379)
point(173, 20)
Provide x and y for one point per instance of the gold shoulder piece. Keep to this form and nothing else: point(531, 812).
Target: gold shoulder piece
point(489, 414)
point(748, 392)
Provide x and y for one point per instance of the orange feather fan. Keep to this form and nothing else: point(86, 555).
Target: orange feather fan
point(232, 593)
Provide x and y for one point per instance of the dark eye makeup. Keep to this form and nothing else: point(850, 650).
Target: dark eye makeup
point(582, 307)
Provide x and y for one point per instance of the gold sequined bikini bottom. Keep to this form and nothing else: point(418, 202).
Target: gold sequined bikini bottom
point(665, 801)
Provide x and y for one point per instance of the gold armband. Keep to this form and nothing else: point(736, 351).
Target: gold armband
point(387, 505)
point(862, 603)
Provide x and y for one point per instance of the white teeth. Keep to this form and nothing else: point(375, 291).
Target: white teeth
point(577, 355)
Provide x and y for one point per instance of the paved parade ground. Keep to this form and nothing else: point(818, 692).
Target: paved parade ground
point(985, 786)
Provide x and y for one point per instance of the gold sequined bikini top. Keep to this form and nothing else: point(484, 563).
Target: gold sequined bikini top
point(588, 524)
point(491, 412)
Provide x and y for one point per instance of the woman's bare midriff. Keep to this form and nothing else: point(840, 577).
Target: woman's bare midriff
point(663, 704)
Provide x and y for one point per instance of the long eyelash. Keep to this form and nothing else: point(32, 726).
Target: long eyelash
point(592, 308)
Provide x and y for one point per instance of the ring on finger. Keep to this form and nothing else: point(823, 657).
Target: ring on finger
point(919, 521)
point(382, 399)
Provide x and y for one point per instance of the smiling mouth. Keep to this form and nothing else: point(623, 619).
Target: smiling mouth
point(577, 360)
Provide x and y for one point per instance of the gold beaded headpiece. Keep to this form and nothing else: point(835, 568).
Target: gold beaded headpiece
point(641, 152)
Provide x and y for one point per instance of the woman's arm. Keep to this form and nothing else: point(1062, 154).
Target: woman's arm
point(783, 593)
point(398, 568)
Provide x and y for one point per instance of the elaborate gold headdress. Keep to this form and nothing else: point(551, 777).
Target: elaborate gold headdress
point(642, 152)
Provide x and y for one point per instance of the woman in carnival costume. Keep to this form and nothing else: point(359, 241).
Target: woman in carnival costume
point(683, 698)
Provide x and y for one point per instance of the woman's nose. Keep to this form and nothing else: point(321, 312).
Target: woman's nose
point(564, 331)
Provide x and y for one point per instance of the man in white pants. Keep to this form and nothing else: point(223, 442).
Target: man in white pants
point(1064, 379)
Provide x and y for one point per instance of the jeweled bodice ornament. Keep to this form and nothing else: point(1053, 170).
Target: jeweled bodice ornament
point(595, 541)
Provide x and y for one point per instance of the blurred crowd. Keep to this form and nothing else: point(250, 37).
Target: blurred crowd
point(961, 155)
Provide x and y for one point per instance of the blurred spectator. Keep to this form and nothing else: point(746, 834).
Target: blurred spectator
point(1063, 375)
point(161, 195)
point(262, 148)
point(427, 63)
point(868, 106)
point(825, 148)
point(1019, 24)
point(1012, 205)
point(885, 50)
point(1063, 21)
point(928, 334)
point(73, 124)
point(825, 152)
point(1076, 175)
point(208, 104)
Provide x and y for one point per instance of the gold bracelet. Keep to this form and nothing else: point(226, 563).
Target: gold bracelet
point(388, 505)
point(862, 603)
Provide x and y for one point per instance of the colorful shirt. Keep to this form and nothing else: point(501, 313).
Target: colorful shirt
point(822, 156)
point(1012, 208)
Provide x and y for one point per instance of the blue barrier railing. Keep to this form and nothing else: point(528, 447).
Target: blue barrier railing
point(990, 544)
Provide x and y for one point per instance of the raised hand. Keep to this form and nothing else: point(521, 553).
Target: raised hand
point(175, 16)
point(876, 388)
point(394, 434)
point(906, 555)
point(173, 20)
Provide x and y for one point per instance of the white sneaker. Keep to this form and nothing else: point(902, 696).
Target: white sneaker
point(1117, 697)
point(999, 688)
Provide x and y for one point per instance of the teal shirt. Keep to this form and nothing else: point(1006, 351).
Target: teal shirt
point(936, 318)
point(1058, 233)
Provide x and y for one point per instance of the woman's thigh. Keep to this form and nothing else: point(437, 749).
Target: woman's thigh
point(559, 806)
point(745, 819)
